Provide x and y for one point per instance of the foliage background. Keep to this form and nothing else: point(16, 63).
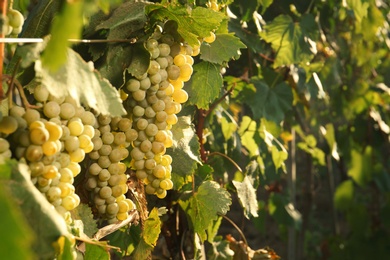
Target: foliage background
point(296, 129)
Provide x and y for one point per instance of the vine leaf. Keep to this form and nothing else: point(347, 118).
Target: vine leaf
point(205, 84)
point(124, 20)
point(247, 195)
point(17, 236)
point(185, 150)
point(150, 235)
point(283, 211)
point(140, 60)
point(361, 166)
point(225, 47)
point(93, 251)
point(84, 213)
point(38, 212)
point(270, 102)
point(247, 132)
point(343, 197)
point(205, 205)
point(191, 24)
point(79, 80)
point(66, 25)
point(293, 42)
point(220, 249)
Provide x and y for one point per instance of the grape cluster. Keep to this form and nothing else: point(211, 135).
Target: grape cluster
point(53, 140)
point(106, 177)
point(15, 21)
point(154, 99)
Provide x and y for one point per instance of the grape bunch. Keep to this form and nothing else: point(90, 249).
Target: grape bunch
point(106, 178)
point(53, 140)
point(14, 22)
point(154, 99)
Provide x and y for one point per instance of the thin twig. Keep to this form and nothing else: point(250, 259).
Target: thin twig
point(238, 229)
point(227, 93)
point(183, 256)
point(227, 157)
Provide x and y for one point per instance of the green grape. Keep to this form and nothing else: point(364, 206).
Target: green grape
point(54, 193)
point(71, 144)
point(55, 131)
point(139, 95)
point(104, 119)
point(41, 94)
point(138, 111)
point(133, 85)
point(173, 72)
point(105, 192)
point(154, 67)
point(15, 18)
point(69, 203)
point(67, 111)
point(8, 125)
point(104, 161)
point(108, 138)
point(104, 175)
point(34, 153)
point(51, 109)
point(115, 155)
point(76, 127)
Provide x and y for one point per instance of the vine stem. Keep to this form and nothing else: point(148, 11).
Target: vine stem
point(3, 7)
point(237, 228)
point(202, 114)
point(227, 157)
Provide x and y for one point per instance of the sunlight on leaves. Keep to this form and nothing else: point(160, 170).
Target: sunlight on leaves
point(81, 81)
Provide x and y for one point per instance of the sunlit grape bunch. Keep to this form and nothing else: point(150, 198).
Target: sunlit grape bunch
point(154, 100)
point(53, 139)
point(106, 178)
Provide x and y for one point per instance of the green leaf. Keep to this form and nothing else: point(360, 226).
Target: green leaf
point(264, 4)
point(205, 205)
point(93, 252)
point(343, 196)
point(212, 230)
point(42, 218)
point(228, 128)
point(150, 234)
point(78, 79)
point(66, 25)
point(83, 212)
point(140, 60)
point(124, 20)
point(330, 138)
point(198, 22)
point(223, 49)
point(361, 166)
point(185, 150)
point(283, 211)
point(247, 132)
point(360, 9)
point(292, 41)
point(17, 237)
point(205, 84)
point(270, 102)
point(247, 195)
point(220, 250)
point(152, 228)
point(278, 157)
